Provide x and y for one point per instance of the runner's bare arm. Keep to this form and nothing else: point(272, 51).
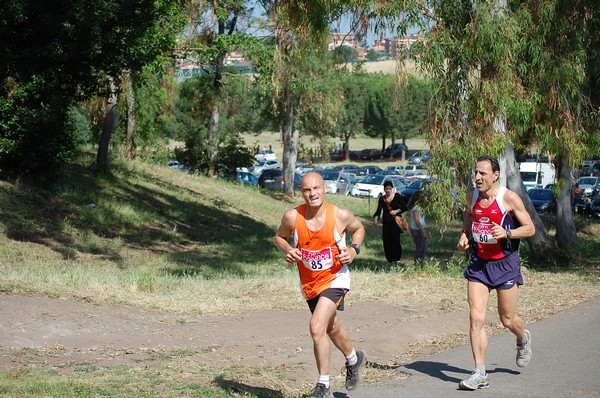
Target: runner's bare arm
point(282, 235)
point(514, 204)
point(347, 221)
point(463, 239)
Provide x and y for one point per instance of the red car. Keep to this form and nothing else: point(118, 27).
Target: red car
point(339, 155)
point(371, 154)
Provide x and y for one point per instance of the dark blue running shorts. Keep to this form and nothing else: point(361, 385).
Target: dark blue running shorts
point(334, 294)
point(495, 274)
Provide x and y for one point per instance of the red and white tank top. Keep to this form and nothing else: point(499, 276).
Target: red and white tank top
point(488, 247)
point(319, 268)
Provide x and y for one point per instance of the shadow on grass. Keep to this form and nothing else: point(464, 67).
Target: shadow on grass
point(99, 214)
point(235, 387)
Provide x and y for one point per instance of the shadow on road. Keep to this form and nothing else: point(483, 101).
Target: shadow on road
point(441, 370)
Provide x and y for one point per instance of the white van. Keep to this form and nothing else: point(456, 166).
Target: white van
point(536, 174)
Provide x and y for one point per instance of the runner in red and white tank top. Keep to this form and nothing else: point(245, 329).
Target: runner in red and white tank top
point(487, 247)
point(492, 228)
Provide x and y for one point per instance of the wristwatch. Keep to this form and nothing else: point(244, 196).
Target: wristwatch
point(356, 247)
point(508, 233)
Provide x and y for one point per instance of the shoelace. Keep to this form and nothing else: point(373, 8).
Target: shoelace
point(350, 370)
point(320, 389)
point(522, 351)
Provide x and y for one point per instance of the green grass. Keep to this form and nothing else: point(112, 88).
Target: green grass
point(155, 238)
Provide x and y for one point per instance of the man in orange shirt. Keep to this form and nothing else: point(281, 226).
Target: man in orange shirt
point(319, 249)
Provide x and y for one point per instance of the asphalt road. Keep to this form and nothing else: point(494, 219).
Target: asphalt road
point(565, 363)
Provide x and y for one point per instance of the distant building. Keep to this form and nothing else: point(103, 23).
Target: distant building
point(338, 39)
point(342, 39)
point(402, 43)
point(381, 45)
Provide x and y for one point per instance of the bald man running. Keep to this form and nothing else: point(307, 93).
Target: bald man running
point(320, 251)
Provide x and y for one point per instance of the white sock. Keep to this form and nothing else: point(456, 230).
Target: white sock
point(324, 379)
point(352, 358)
point(480, 369)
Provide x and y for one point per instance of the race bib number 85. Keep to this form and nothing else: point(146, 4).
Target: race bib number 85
point(317, 260)
point(482, 233)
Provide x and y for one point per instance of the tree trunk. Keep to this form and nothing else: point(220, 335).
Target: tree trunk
point(111, 121)
point(566, 233)
point(131, 148)
point(541, 241)
point(213, 141)
point(290, 143)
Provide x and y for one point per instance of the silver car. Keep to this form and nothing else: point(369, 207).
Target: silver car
point(590, 185)
point(338, 183)
point(259, 167)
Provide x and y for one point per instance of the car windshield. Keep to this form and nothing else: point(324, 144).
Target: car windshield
point(540, 194)
point(330, 176)
point(373, 179)
point(415, 185)
point(528, 176)
point(587, 181)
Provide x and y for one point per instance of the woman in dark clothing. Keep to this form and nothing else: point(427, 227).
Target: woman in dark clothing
point(390, 231)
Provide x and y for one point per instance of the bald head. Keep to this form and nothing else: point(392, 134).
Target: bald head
point(313, 189)
point(312, 179)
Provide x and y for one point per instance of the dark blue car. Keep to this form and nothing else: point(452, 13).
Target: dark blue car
point(414, 187)
point(543, 200)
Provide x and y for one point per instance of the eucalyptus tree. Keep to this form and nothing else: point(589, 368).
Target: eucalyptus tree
point(525, 64)
point(306, 91)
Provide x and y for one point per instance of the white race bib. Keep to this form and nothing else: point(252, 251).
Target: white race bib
point(482, 233)
point(317, 260)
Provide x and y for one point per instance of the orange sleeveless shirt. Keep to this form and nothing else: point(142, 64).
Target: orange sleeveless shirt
point(319, 268)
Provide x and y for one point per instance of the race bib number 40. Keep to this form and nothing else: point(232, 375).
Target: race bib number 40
point(482, 233)
point(317, 260)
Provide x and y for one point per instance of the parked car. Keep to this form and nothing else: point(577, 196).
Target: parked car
point(340, 154)
point(347, 168)
point(367, 170)
point(414, 187)
point(588, 171)
point(265, 155)
point(589, 185)
point(303, 168)
point(591, 160)
point(406, 181)
point(177, 165)
point(372, 185)
point(259, 167)
point(395, 151)
point(338, 183)
point(371, 154)
point(420, 157)
point(415, 170)
point(297, 181)
point(543, 200)
point(397, 169)
point(271, 179)
point(246, 178)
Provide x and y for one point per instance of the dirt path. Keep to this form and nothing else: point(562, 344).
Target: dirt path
point(56, 332)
